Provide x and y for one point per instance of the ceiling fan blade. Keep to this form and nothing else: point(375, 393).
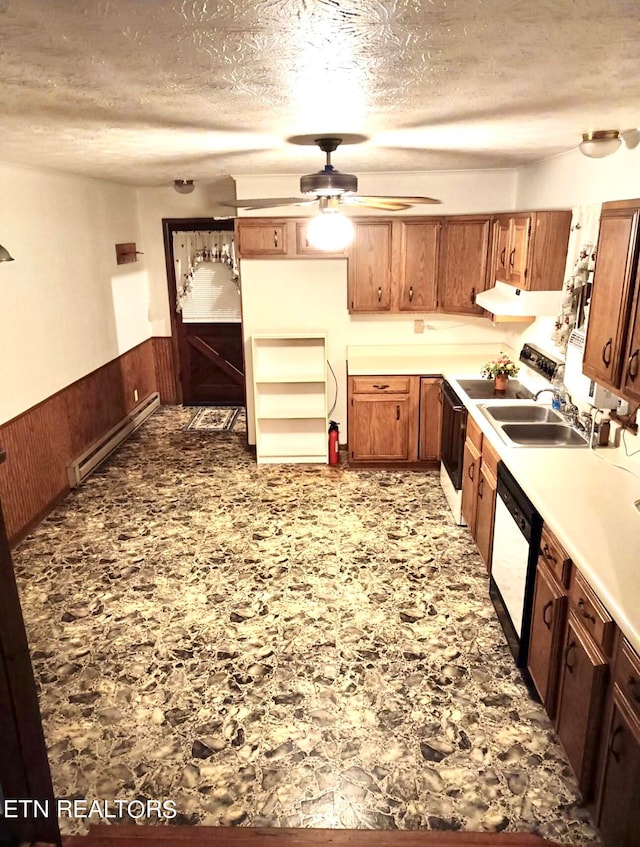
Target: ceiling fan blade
point(408, 201)
point(268, 203)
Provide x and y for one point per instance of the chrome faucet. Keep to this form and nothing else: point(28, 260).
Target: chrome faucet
point(542, 390)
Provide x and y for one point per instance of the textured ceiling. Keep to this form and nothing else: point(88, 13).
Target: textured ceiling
point(145, 91)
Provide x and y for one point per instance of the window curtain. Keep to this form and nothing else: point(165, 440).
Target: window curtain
point(581, 256)
point(192, 248)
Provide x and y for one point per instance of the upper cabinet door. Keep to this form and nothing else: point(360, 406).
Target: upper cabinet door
point(630, 378)
point(261, 237)
point(463, 269)
point(615, 262)
point(517, 260)
point(419, 242)
point(370, 266)
point(503, 248)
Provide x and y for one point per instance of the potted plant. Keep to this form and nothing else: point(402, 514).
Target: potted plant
point(500, 369)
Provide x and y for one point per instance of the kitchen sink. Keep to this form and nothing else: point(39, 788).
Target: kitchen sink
point(527, 424)
point(522, 413)
point(544, 435)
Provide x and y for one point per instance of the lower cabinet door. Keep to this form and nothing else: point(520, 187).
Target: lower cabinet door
point(582, 688)
point(470, 481)
point(547, 624)
point(485, 513)
point(619, 812)
point(379, 428)
point(430, 419)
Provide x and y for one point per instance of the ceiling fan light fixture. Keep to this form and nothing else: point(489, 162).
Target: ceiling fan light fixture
point(601, 143)
point(330, 231)
point(183, 186)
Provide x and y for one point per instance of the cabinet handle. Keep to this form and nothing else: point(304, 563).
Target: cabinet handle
point(379, 294)
point(548, 605)
point(502, 256)
point(381, 386)
point(607, 359)
point(571, 646)
point(582, 608)
point(634, 688)
point(480, 487)
point(616, 732)
point(473, 297)
point(397, 413)
point(275, 237)
point(410, 293)
point(511, 257)
point(547, 555)
point(470, 470)
point(440, 394)
point(633, 357)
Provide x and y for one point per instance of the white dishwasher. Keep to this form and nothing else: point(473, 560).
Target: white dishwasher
point(516, 541)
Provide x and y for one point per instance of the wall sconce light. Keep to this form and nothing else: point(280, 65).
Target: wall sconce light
point(5, 256)
point(183, 186)
point(597, 145)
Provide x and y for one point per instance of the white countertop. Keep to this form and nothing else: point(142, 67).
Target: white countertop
point(587, 502)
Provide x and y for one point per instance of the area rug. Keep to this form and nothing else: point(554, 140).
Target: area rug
point(219, 419)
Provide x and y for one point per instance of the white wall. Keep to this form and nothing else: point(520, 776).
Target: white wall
point(67, 307)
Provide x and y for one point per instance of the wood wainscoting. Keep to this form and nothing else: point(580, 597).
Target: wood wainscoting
point(42, 441)
point(166, 376)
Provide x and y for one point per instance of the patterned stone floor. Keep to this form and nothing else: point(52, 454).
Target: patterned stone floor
point(280, 645)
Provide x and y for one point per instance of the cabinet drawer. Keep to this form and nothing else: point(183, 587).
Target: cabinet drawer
point(474, 433)
point(380, 384)
point(592, 614)
point(627, 676)
point(555, 557)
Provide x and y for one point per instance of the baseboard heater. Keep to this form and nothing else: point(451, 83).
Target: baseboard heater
point(80, 469)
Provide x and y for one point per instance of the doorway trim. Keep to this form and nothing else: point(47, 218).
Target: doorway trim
point(169, 227)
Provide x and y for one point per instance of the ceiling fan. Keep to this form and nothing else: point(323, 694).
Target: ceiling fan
point(331, 188)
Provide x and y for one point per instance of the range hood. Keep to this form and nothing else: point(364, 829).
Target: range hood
point(504, 301)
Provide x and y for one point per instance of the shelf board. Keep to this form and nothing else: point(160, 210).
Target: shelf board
point(285, 380)
point(291, 415)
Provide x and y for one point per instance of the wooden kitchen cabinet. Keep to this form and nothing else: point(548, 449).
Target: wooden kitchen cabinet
point(262, 237)
point(618, 813)
point(370, 270)
point(418, 276)
point(430, 429)
point(465, 252)
point(613, 332)
point(383, 418)
point(583, 680)
point(479, 483)
point(531, 249)
point(547, 628)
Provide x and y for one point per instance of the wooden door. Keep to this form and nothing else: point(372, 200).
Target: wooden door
point(503, 248)
point(519, 251)
point(370, 266)
point(485, 514)
point(379, 428)
point(470, 481)
point(464, 258)
point(619, 810)
point(24, 767)
point(418, 264)
point(547, 625)
point(615, 261)
point(582, 687)
point(630, 377)
point(211, 363)
point(430, 419)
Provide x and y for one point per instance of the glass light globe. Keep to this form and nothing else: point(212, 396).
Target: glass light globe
point(597, 145)
point(330, 231)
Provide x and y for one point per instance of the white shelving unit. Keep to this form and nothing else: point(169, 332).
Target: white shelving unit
point(290, 397)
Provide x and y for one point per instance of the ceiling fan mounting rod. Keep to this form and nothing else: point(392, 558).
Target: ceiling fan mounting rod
point(328, 144)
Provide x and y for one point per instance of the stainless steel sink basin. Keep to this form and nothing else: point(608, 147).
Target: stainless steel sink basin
point(522, 413)
point(544, 435)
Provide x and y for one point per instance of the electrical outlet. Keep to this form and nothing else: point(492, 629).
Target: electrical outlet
point(418, 326)
point(135, 395)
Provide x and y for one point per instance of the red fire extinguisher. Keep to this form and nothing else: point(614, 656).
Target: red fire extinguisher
point(334, 435)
